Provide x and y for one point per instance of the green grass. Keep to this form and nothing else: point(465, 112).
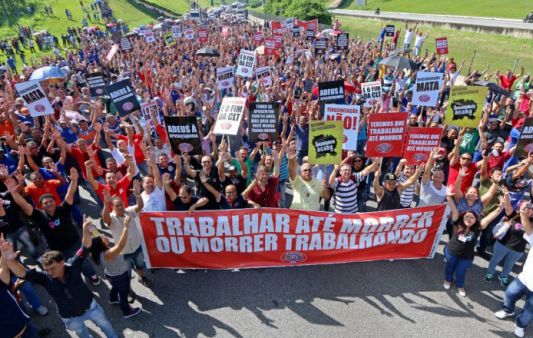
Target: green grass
point(497, 50)
point(182, 6)
point(517, 9)
point(132, 14)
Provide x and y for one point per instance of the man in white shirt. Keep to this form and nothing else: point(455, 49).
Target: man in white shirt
point(153, 195)
point(409, 32)
point(523, 285)
point(419, 40)
point(432, 188)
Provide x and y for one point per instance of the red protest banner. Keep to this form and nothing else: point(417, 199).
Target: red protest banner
point(385, 134)
point(442, 45)
point(268, 237)
point(258, 38)
point(277, 27)
point(270, 46)
point(202, 35)
point(308, 25)
point(419, 143)
point(278, 39)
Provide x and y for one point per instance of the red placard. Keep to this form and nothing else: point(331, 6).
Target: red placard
point(308, 25)
point(442, 45)
point(202, 35)
point(419, 142)
point(258, 38)
point(278, 39)
point(270, 46)
point(277, 27)
point(385, 134)
point(268, 237)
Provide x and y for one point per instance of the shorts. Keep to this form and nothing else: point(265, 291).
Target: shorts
point(136, 259)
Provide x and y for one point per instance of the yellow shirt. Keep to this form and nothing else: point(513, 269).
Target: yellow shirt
point(306, 195)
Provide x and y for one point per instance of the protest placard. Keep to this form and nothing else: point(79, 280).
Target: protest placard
point(385, 134)
point(264, 75)
point(278, 40)
point(96, 84)
point(309, 34)
point(176, 32)
point(263, 121)
point(325, 142)
point(123, 97)
point(149, 36)
point(525, 142)
point(296, 31)
point(270, 46)
point(371, 93)
point(202, 35)
point(389, 30)
point(246, 63)
point(427, 88)
point(349, 115)
point(442, 45)
point(111, 53)
point(465, 106)
point(183, 135)
point(189, 34)
point(331, 91)
point(225, 77)
point(125, 44)
point(321, 45)
point(34, 98)
point(419, 143)
point(230, 115)
point(342, 41)
point(258, 38)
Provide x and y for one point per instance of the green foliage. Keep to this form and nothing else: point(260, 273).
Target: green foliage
point(255, 3)
point(300, 9)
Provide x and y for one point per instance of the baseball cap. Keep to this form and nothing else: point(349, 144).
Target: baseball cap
point(390, 177)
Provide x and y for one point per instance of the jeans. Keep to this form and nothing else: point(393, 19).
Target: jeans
point(23, 236)
point(136, 259)
point(87, 268)
point(458, 266)
point(95, 314)
point(513, 293)
point(120, 287)
point(362, 198)
point(284, 200)
point(486, 237)
point(29, 293)
point(502, 252)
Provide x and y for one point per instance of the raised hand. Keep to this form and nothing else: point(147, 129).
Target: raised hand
point(203, 177)
point(137, 187)
point(74, 174)
point(166, 178)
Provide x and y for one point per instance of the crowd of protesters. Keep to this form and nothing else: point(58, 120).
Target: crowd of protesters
point(127, 165)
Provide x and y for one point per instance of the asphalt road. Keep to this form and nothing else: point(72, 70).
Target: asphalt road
point(488, 23)
point(375, 299)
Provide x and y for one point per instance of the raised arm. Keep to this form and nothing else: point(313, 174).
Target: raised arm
point(411, 180)
point(139, 203)
point(12, 187)
point(106, 211)
point(205, 181)
point(167, 183)
point(378, 189)
point(111, 253)
point(72, 187)
point(9, 259)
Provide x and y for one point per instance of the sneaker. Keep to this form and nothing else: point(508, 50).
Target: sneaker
point(502, 314)
point(95, 280)
point(462, 292)
point(447, 285)
point(519, 331)
point(114, 301)
point(504, 281)
point(145, 281)
point(488, 277)
point(42, 310)
point(133, 312)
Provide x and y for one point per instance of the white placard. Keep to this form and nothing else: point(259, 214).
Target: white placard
point(230, 116)
point(426, 89)
point(34, 98)
point(371, 92)
point(349, 115)
point(176, 32)
point(246, 63)
point(264, 75)
point(149, 36)
point(189, 34)
point(225, 77)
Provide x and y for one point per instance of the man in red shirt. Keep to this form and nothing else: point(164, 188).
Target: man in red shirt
point(39, 187)
point(507, 79)
point(112, 185)
point(262, 192)
point(458, 161)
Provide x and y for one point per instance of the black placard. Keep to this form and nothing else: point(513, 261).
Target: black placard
point(125, 44)
point(389, 30)
point(96, 84)
point(331, 92)
point(263, 121)
point(525, 142)
point(309, 34)
point(123, 97)
point(342, 41)
point(183, 135)
point(296, 31)
point(321, 45)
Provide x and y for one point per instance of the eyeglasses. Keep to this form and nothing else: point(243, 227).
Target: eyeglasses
point(307, 170)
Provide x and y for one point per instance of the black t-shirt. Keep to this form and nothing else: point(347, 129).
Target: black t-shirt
point(214, 181)
point(238, 181)
point(463, 245)
point(180, 206)
point(514, 238)
point(58, 229)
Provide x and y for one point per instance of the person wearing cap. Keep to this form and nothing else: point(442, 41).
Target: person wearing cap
point(388, 195)
point(232, 176)
point(462, 162)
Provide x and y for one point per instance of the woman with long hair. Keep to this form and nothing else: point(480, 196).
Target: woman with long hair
point(116, 268)
point(460, 250)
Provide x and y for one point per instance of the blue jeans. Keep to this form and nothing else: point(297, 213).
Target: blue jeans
point(284, 200)
point(458, 266)
point(136, 259)
point(120, 287)
point(502, 252)
point(95, 314)
point(513, 293)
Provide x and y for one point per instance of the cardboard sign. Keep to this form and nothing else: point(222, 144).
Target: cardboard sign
point(230, 115)
point(295, 31)
point(331, 92)
point(442, 45)
point(371, 93)
point(34, 98)
point(389, 30)
point(349, 115)
point(170, 40)
point(278, 39)
point(176, 32)
point(246, 63)
point(123, 97)
point(342, 41)
point(258, 38)
point(276, 237)
point(385, 134)
point(264, 75)
point(147, 108)
point(189, 34)
point(321, 45)
point(325, 142)
point(309, 34)
point(270, 47)
point(111, 53)
point(263, 121)
point(419, 143)
point(427, 88)
point(525, 142)
point(183, 135)
point(149, 36)
point(465, 106)
point(96, 84)
point(202, 35)
point(125, 44)
point(308, 25)
point(277, 27)
point(225, 77)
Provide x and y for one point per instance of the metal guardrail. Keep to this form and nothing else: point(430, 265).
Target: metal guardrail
point(273, 17)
